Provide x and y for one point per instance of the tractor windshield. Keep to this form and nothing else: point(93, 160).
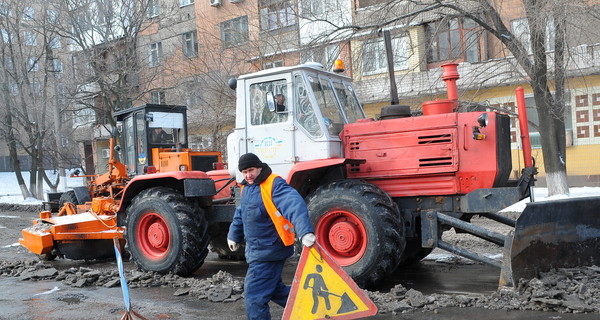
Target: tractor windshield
point(336, 102)
point(350, 105)
point(164, 128)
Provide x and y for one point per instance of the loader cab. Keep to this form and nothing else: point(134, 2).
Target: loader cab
point(148, 127)
point(291, 114)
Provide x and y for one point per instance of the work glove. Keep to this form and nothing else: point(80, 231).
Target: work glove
point(233, 246)
point(308, 239)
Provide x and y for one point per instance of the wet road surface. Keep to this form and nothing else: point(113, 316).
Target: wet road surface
point(53, 300)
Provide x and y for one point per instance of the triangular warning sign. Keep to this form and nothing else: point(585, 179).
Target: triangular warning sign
point(323, 290)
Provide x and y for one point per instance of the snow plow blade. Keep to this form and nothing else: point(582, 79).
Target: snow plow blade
point(552, 234)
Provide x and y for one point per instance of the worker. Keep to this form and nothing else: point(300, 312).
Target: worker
point(159, 135)
point(269, 236)
point(279, 102)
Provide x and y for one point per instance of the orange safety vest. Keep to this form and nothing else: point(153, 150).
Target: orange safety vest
point(283, 226)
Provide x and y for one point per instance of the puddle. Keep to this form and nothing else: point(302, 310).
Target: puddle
point(72, 298)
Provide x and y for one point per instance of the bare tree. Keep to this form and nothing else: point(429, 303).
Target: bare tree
point(26, 89)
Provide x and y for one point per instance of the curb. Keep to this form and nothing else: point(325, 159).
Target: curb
point(20, 207)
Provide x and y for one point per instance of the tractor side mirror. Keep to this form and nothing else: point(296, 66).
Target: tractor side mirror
point(232, 83)
point(271, 101)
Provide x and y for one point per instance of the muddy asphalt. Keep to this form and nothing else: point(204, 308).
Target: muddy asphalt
point(442, 288)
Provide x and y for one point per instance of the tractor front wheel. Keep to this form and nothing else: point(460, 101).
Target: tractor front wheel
point(360, 227)
point(165, 232)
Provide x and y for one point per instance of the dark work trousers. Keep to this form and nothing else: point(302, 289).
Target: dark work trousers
point(263, 284)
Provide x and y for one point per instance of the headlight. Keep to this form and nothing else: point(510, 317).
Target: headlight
point(182, 167)
point(483, 120)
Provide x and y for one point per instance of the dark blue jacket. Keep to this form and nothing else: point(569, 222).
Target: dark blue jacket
point(252, 222)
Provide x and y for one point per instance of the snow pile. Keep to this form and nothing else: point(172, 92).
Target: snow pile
point(541, 194)
point(11, 193)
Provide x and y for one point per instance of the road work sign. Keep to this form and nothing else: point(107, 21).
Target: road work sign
point(323, 290)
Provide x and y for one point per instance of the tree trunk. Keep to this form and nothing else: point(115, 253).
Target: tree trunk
point(14, 159)
point(552, 134)
point(550, 111)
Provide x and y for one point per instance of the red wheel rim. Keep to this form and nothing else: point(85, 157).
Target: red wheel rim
point(343, 235)
point(153, 236)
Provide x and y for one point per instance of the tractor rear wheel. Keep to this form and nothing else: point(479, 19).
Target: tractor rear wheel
point(165, 232)
point(68, 196)
point(360, 227)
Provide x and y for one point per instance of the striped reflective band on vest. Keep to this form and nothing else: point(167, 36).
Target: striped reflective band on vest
point(283, 226)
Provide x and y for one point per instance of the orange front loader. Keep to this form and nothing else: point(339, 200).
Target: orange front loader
point(160, 171)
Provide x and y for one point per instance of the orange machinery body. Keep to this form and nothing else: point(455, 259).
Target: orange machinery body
point(430, 155)
point(168, 160)
point(98, 223)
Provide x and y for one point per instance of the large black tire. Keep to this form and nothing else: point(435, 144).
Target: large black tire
point(360, 227)
point(165, 232)
point(218, 244)
point(68, 196)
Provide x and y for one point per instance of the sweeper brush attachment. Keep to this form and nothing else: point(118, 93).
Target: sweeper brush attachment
point(552, 234)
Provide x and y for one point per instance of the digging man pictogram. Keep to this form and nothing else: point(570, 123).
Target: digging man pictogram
point(319, 289)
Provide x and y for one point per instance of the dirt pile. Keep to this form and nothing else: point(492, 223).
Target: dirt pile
point(575, 290)
point(221, 287)
point(572, 290)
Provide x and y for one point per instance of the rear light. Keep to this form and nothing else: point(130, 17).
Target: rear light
point(218, 166)
point(477, 135)
point(150, 169)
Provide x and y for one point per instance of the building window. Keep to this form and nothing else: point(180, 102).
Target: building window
point(28, 13)
point(57, 65)
point(520, 29)
point(55, 42)
point(7, 36)
point(157, 97)
point(32, 64)
point(312, 8)
point(83, 116)
point(374, 58)
point(153, 9)
point(52, 16)
point(155, 56)
point(275, 14)
point(5, 10)
point(183, 3)
point(273, 64)
point(190, 44)
point(454, 39)
point(234, 31)
point(30, 38)
point(36, 87)
point(323, 55)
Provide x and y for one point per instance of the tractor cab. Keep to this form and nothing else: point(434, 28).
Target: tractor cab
point(150, 127)
point(291, 114)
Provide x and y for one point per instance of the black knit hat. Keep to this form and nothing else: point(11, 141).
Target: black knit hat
point(249, 160)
